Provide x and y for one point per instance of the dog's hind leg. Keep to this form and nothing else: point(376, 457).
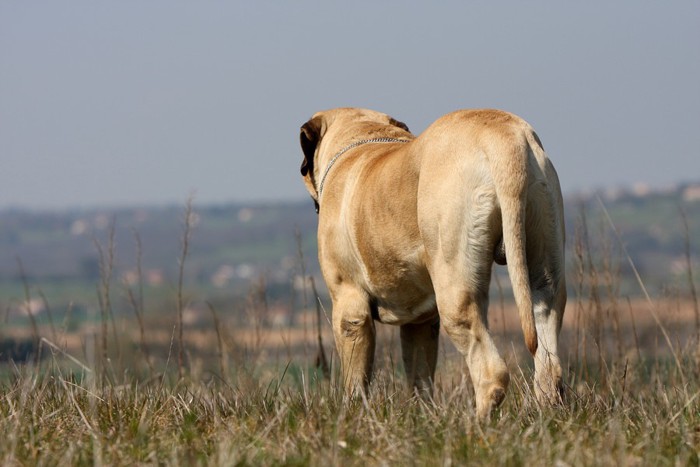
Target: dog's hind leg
point(461, 284)
point(459, 245)
point(548, 373)
point(545, 257)
point(463, 315)
point(354, 332)
point(419, 349)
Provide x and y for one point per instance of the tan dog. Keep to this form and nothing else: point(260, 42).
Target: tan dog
point(409, 228)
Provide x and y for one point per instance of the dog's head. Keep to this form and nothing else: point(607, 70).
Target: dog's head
point(336, 128)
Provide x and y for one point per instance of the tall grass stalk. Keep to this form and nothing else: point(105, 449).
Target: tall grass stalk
point(580, 253)
point(691, 281)
point(49, 313)
point(104, 294)
point(321, 360)
point(28, 302)
point(634, 331)
point(136, 302)
point(304, 296)
point(186, 237)
point(650, 302)
point(221, 351)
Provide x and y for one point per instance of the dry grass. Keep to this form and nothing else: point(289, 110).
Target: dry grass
point(291, 415)
point(222, 394)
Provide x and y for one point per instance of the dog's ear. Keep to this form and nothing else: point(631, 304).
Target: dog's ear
point(309, 137)
point(399, 124)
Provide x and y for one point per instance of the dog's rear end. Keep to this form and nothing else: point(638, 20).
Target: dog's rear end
point(474, 180)
point(485, 182)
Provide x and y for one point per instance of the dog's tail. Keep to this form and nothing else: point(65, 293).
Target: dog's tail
point(511, 190)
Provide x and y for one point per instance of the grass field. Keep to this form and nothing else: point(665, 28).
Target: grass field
point(170, 388)
point(254, 396)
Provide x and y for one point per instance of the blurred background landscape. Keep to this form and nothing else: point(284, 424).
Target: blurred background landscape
point(248, 267)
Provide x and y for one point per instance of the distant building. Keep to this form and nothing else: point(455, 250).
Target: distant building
point(152, 277)
point(155, 277)
point(223, 275)
point(641, 189)
point(691, 193)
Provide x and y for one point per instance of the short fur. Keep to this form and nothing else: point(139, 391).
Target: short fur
point(408, 233)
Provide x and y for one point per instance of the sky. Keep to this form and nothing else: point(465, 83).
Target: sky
point(147, 102)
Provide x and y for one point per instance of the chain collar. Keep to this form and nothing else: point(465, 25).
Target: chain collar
point(352, 146)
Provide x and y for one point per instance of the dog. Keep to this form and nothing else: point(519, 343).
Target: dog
point(409, 228)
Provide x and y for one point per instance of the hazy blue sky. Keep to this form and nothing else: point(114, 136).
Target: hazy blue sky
point(142, 102)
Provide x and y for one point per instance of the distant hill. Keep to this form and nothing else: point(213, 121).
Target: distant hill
point(652, 226)
point(228, 243)
point(232, 244)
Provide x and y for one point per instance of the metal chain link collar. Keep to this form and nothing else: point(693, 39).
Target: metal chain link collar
point(352, 146)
